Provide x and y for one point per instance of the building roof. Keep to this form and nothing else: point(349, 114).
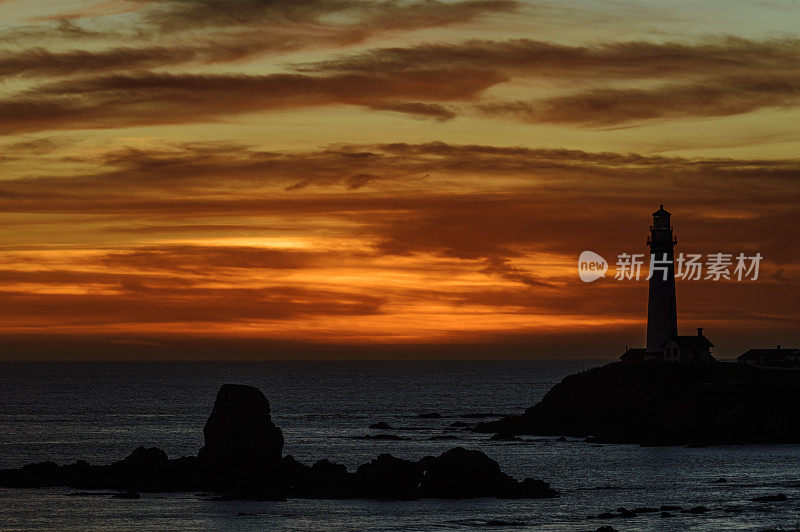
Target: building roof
point(768, 354)
point(634, 353)
point(691, 341)
point(662, 211)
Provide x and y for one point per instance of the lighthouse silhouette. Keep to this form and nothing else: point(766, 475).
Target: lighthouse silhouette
point(663, 341)
point(662, 314)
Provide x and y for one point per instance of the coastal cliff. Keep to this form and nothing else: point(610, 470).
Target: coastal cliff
point(659, 403)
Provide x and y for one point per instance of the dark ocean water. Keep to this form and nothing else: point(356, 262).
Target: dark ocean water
point(99, 412)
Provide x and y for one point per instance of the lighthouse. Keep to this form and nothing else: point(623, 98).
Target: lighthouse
point(662, 315)
point(663, 341)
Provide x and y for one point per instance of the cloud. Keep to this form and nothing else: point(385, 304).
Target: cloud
point(120, 86)
point(137, 235)
point(193, 34)
point(220, 30)
point(721, 77)
point(154, 52)
point(407, 201)
point(617, 60)
point(501, 266)
point(424, 110)
point(179, 15)
point(150, 99)
point(142, 304)
point(360, 180)
point(211, 173)
point(62, 29)
point(500, 233)
point(724, 77)
point(199, 259)
point(604, 107)
point(42, 62)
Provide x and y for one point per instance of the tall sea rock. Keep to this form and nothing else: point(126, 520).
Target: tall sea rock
point(242, 445)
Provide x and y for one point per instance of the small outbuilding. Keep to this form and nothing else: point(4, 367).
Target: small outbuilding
point(777, 357)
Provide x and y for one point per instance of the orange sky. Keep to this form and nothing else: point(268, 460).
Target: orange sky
point(349, 178)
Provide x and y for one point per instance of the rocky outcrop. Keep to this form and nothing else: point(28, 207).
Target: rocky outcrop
point(659, 403)
point(455, 474)
point(242, 444)
point(143, 470)
point(387, 477)
point(241, 459)
point(460, 473)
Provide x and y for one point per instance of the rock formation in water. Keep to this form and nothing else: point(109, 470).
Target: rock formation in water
point(242, 444)
point(660, 403)
point(143, 470)
point(241, 459)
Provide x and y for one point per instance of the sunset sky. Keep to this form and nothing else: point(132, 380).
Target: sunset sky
point(408, 179)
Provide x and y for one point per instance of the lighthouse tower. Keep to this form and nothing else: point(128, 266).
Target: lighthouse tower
point(662, 316)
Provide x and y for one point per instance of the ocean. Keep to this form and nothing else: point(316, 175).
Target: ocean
point(100, 412)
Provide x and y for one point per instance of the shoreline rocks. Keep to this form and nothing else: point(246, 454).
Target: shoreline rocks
point(455, 474)
point(241, 460)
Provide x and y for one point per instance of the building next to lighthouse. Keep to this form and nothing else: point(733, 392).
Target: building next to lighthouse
point(663, 341)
